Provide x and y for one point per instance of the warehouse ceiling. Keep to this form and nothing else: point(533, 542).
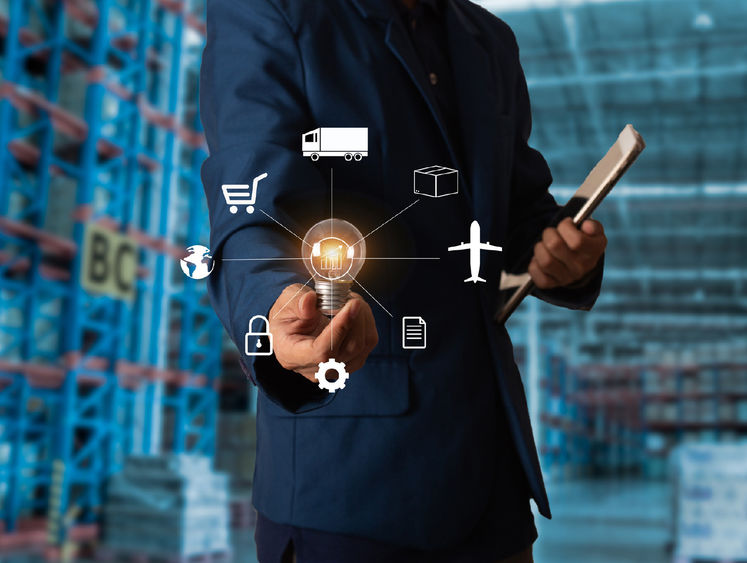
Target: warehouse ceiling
point(676, 266)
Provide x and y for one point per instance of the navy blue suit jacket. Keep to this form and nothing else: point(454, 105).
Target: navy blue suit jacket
point(406, 452)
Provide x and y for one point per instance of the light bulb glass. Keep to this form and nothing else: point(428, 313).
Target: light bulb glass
point(333, 252)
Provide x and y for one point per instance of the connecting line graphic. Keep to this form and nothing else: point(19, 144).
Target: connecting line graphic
point(387, 221)
point(331, 343)
point(331, 215)
point(257, 259)
point(354, 258)
point(372, 297)
point(286, 228)
point(300, 289)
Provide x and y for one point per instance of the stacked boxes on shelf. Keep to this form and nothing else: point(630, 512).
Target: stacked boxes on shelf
point(557, 435)
point(693, 403)
point(710, 496)
point(590, 419)
point(631, 417)
point(173, 505)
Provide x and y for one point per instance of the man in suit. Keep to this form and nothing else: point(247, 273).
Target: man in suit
point(427, 454)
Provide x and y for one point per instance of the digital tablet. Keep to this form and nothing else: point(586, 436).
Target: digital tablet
point(600, 181)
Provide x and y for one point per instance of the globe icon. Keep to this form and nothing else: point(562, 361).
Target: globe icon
point(198, 263)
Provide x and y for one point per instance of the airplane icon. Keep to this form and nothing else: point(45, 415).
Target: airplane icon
point(475, 246)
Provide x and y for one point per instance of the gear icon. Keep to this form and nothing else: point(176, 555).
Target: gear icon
point(342, 375)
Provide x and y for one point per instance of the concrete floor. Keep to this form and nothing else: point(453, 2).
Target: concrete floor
point(593, 522)
point(606, 522)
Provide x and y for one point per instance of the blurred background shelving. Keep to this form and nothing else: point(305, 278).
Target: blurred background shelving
point(660, 365)
point(99, 125)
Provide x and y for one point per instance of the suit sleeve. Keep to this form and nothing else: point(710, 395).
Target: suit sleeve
point(253, 109)
point(532, 208)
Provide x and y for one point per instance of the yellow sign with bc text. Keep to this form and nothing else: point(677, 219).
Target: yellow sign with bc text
point(109, 264)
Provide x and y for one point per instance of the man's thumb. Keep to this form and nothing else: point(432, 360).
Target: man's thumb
point(306, 305)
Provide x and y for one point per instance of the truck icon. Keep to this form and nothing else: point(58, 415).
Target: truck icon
point(349, 142)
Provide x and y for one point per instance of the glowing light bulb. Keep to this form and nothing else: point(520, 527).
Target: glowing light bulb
point(333, 252)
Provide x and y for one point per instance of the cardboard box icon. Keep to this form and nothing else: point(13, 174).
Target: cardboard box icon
point(436, 181)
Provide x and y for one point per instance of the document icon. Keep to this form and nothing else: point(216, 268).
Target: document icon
point(413, 333)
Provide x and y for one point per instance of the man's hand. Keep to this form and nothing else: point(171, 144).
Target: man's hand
point(566, 254)
point(303, 336)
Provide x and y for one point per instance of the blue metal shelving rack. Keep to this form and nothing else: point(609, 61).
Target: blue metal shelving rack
point(73, 364)
point(28, 297)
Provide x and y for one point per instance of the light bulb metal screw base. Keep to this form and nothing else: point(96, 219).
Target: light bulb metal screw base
point(332, 295)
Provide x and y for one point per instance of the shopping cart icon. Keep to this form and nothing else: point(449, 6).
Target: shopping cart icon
point(242, 194)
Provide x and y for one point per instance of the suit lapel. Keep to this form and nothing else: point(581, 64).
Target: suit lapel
point(474, 85)
point(399, 43)
point(471, 68)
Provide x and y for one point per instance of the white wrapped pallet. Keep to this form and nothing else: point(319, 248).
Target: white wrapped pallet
point(710, 501)
point(167, 506)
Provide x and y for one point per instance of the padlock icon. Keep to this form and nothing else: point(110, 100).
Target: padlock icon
point(258, 343)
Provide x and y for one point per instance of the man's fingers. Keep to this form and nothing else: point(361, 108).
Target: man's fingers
point(556, 244)
point(592, 228)
point(342, 328)
point(550, 264)
point(365, 347)
point(354, 352)
point(566, 253)
point(585, 239)
point(305, 337)
point(540, 278)
point(300, 301)
point(335, 332)
point(287, 304)
point(570, 234)
point(372, 334)
point(582, 249)
point(566, 266)
point(361, 339)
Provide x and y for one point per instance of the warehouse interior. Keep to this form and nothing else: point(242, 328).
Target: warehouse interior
point(634, 405)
